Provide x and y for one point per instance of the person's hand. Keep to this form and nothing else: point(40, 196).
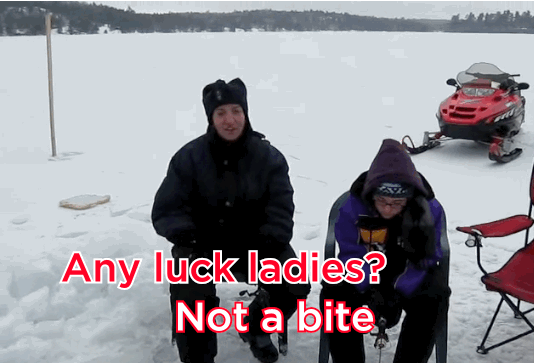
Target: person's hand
point(187, 246)
point(184, 239)
point(376, 299)
point(385, 304)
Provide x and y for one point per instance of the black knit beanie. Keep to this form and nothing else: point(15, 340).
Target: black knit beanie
point(222, 93)
point(394, 190)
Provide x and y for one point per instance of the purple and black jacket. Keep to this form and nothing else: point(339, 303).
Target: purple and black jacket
point(420, 224)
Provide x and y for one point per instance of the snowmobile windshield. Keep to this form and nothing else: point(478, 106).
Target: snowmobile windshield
point(483, 71)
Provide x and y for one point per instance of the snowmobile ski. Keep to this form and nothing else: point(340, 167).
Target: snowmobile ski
point(504, 158)
point(427, 145)
point(501, 150)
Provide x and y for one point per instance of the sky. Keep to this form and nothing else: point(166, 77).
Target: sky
point(125, 103)
point(389, 9)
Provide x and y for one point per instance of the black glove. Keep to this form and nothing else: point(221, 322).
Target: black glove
point(184, 239)
point(386, 305)
point(186, 246)
point(376, 299)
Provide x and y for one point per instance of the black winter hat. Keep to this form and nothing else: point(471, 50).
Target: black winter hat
point(222, 93)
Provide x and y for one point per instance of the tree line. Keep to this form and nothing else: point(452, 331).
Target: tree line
point(27, 18)
point(505, 22)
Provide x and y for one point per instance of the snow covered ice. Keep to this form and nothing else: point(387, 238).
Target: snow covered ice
point(124, 104)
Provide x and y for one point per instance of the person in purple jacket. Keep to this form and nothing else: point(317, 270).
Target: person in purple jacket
point(392, 209)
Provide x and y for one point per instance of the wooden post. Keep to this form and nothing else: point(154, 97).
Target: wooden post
point(48, 22)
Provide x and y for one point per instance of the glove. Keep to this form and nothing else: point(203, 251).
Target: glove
point(385, 305)
point(376, 299)
point(186, 246)
point(184, 239)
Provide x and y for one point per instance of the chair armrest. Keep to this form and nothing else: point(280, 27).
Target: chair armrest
point(500, 228)
point(330, 244)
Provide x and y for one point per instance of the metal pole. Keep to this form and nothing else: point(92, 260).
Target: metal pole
point(50, 88)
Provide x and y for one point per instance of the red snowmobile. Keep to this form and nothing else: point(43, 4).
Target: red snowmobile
point(487, 107)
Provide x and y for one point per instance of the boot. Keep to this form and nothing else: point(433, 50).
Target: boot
point(261, 346)
point(260, 342)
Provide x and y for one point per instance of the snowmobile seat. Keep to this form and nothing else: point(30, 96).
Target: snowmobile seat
point(515, 279)
point(330, 252)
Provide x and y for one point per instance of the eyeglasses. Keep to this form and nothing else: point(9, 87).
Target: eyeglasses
point(395, 204)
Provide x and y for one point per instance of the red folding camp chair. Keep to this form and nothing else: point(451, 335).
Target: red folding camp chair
point(516, 278)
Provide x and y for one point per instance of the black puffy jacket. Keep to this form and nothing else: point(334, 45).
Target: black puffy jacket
point(226, 196)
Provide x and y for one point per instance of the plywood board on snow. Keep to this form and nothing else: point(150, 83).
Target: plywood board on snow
point(85, 201)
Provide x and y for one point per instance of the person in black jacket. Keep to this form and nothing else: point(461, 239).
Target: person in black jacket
point(228, 190)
